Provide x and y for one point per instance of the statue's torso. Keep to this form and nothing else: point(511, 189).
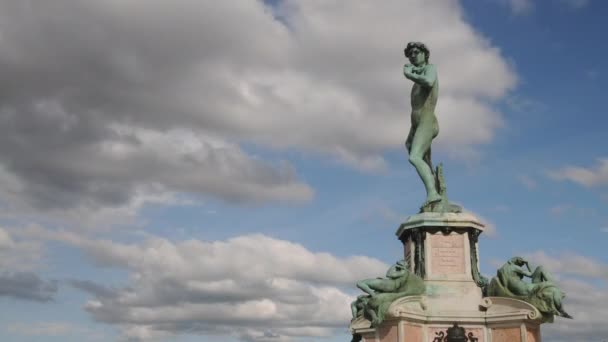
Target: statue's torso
point(512, 281)
point(424, 100)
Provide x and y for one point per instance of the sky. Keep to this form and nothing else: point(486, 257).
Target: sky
point(227, 170)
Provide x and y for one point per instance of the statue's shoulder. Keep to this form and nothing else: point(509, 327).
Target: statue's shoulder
point(430, 69)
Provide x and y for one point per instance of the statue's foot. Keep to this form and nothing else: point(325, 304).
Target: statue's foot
point(565, 314)
point(375, 322)
point(432, 198)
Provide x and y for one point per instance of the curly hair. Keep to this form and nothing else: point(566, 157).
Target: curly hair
point(420, 46)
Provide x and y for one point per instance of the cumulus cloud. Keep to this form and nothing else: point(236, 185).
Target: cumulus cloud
point(26, 285)
point(588, 177)
point(19, 259)
point(104, 101)
point(17, 254)
point(247, 287)
point(571, 264)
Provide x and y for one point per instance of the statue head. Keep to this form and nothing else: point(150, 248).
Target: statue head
point(417, 53)
point(402, 264)
point(519, 261)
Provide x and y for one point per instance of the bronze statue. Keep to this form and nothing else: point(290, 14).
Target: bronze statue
point(424, 126)
point(381, 292)
point(542, 291)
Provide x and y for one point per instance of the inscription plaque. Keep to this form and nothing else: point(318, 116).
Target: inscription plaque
point(447, 254)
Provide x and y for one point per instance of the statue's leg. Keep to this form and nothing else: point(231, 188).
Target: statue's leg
point(374, 318)
point(370, 286)
point(410, 137)
point(420, 145)
point(557, 299)
point(427, 159)
point(540, 275)
point(354, 310)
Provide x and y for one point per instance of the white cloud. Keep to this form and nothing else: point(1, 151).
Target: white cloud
point(27, 286)
point(18, 254)
point(571, 264)
point(19, 259)
point(588, 177)
point(248, 285)
point(167, 100)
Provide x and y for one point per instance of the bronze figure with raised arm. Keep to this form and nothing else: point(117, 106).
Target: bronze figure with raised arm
point(424, 127)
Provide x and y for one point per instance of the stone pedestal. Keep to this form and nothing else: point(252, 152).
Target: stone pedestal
point(442, 249)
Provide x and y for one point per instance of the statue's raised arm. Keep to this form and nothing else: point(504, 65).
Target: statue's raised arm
point(426, 76)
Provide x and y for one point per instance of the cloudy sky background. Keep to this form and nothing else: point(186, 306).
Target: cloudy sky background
point(226, 170)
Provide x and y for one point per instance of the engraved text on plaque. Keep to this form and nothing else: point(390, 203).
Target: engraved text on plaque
point(447, 253)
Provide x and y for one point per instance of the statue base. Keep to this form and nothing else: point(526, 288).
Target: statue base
point(442, 249)
point(415, 319)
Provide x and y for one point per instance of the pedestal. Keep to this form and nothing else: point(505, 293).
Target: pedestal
point(442, 249)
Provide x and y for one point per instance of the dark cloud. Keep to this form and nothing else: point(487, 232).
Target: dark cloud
point(93, 288)
point(28, 286)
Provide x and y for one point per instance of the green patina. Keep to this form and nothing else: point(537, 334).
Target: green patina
point(425, 127)
point(542, 291)
point(479, 279)
point(381, 292)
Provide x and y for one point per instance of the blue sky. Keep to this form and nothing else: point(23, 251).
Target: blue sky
point(181, 171)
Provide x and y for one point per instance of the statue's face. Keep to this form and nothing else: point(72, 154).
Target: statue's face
point(416, 56)
point(519, 262)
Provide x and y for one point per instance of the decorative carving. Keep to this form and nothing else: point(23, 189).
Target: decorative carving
point(418, 236)
point(480, 280)
point(455, 334)
point(440, 337)
point(410, 304)
point(533, 314)
point(424, 304)
point(486, 303)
